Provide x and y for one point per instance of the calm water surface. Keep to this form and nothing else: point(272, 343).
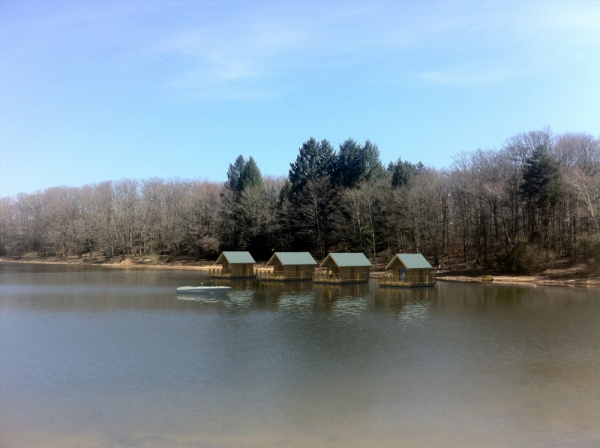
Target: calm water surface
point(111, 358)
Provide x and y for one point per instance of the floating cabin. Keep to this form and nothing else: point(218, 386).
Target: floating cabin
point(290, 266)
point(234, 264)
point(408, 271)
point(344, 268)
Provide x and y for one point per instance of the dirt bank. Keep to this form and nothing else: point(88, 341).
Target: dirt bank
point(577, 275)
point(127, 263)
point(580, 275)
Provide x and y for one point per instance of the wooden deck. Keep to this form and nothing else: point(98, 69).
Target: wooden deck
point(270, 276)
point(220, 273)
point(406, 282)
point(340, 278)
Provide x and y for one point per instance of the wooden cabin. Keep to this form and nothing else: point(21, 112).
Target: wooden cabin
point(290, 266)
point(234, 264)
point(408, 270)
point(344, 268)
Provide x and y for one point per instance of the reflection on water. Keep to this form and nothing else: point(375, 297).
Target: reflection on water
point(208, 298)
point(299, 302)
point(101, 357)
point(410, 306)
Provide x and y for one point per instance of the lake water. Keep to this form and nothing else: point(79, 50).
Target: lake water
point(99, 357)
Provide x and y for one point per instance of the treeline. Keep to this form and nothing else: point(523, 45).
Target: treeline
point(534, 200)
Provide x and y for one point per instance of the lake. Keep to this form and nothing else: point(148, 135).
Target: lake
point(100, 357)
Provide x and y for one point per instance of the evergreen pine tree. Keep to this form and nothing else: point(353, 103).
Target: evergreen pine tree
point(541, 179)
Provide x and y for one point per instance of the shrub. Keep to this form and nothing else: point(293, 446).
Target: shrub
point(517, 261)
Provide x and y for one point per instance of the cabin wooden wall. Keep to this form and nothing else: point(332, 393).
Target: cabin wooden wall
point(239, 268)
point(330, 265)
point(298, 270)
point(292, 270)
point(413, 273)
point(277, 266)
point(355, 272)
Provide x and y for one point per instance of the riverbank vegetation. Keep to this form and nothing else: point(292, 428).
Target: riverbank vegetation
point(532, 204)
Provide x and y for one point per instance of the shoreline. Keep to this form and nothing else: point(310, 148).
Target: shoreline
point(558, 277)
point(526, 280)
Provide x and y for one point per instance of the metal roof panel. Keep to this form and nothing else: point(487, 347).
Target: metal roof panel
point(411, 261)
point(349, 259)
point(293, 258)
point(236, 257)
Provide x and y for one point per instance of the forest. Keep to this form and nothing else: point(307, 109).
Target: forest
point(530, 203)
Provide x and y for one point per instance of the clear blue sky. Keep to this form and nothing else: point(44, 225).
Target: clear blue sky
point(104, 90)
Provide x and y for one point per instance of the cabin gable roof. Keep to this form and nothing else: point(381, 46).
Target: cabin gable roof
point(410, 261)
point(293, 258)
point(348, 260)
point(235, 257)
